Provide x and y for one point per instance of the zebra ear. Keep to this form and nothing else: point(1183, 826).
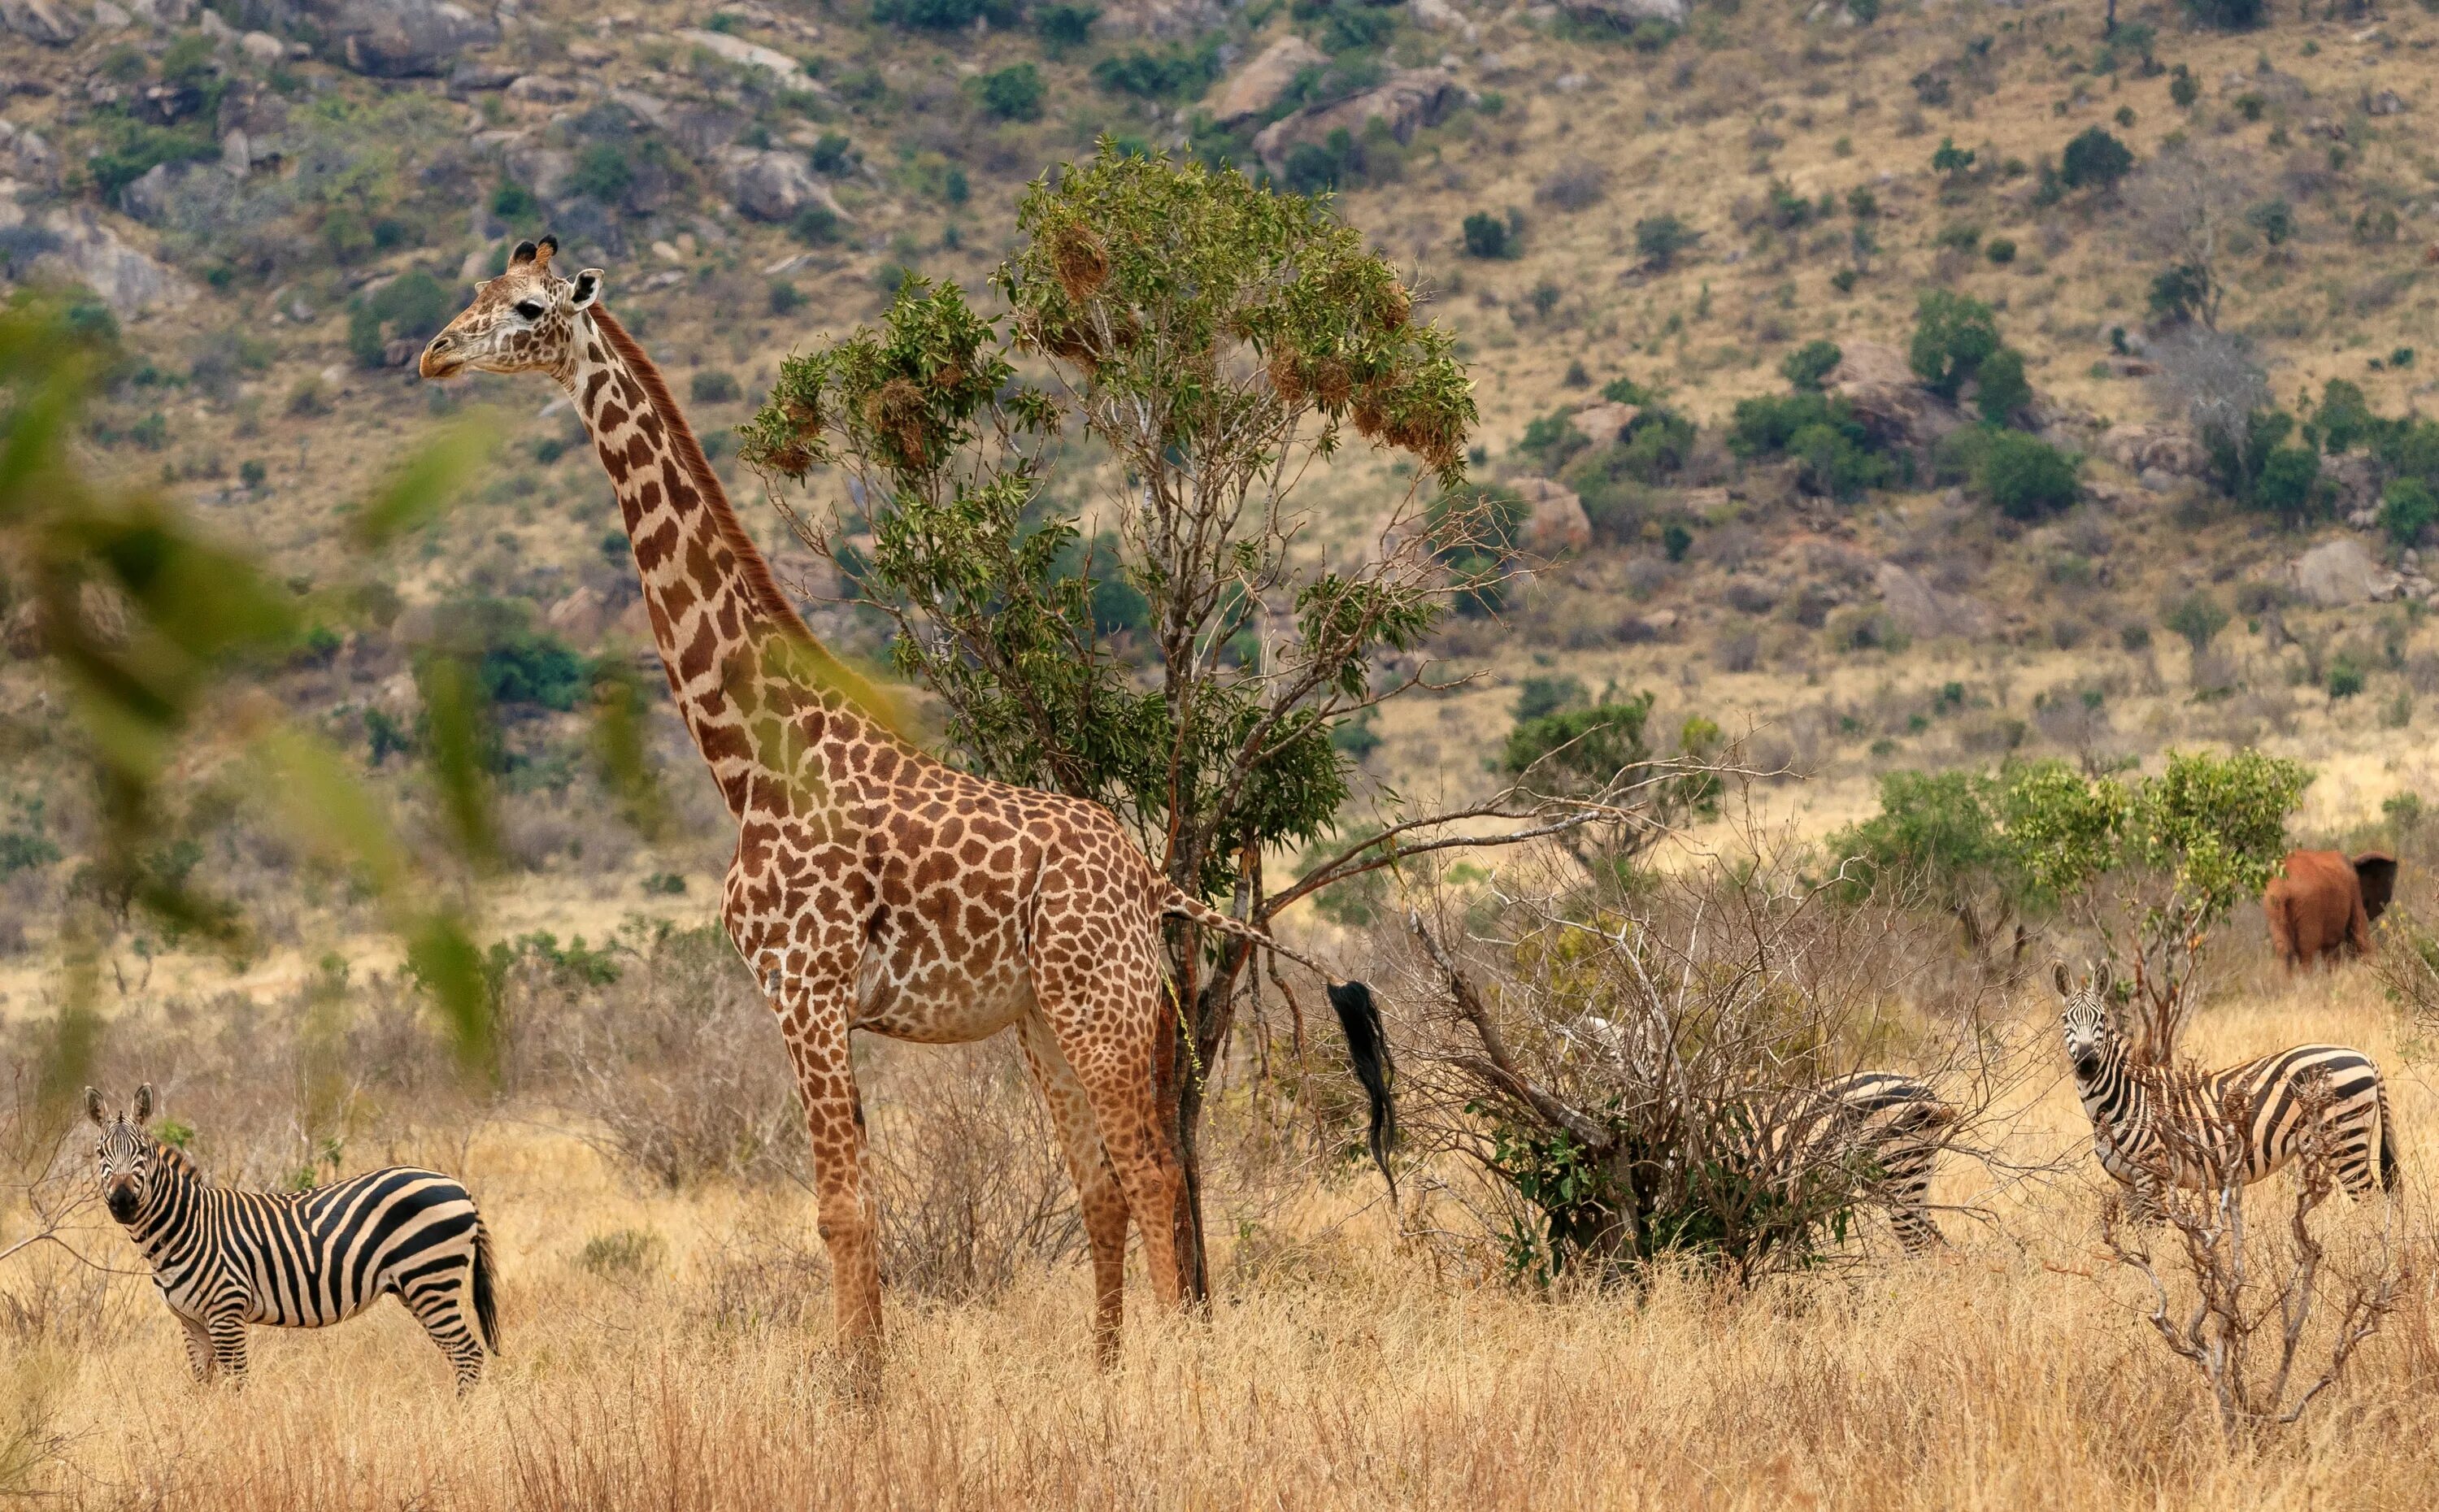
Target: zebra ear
point(142, 1112)
point(93, 1105)
point(2058, 976)
point(2103, 980)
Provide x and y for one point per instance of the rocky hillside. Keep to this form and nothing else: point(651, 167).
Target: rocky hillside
point(2145, 470)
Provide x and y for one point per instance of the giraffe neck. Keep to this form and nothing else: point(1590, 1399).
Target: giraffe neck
point(767, 705)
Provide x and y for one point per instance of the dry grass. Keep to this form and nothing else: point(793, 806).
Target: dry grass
point(1336, 1371)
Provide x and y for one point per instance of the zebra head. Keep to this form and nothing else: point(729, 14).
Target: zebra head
point(124, 1153)
point(2086, 1019)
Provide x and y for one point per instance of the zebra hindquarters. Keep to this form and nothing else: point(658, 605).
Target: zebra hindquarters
point(2352, 1104)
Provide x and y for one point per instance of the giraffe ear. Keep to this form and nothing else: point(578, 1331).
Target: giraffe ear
point(93, 1105)
point(142, 1112)
point(586, 289)
point(522, 255)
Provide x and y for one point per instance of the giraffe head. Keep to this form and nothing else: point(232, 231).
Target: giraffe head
point(123, 1156)
point(520, 322)
point(2086, 1018)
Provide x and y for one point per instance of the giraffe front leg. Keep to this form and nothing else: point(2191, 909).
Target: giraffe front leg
point(227, 1333)
point(199, 1348)
point(817, 1042)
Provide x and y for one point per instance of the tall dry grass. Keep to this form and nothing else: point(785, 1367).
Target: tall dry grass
point(688, 1368)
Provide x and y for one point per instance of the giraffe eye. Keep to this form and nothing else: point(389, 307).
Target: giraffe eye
point(529, 308)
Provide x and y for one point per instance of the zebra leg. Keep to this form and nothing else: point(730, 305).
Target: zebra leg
point(440, 1305)
point(1911, 1222)
point(227, 1333)
point(199, 1347)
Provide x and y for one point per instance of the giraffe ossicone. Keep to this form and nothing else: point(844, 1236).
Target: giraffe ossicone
point(874, 887)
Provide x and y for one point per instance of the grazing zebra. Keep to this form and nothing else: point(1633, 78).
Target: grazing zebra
point(1883, 1125)
point(225, 1258)
point(2130, 1106)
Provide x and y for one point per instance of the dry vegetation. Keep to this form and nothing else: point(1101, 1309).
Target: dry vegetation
point(666, 1348)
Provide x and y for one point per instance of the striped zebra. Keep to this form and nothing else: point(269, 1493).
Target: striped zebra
point(2149, 1122)
point(224, 1258)
point(1882, 1126)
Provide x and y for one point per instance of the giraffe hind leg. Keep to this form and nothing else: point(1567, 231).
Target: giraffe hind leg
point(1096, 1183)
point(1105, 1008)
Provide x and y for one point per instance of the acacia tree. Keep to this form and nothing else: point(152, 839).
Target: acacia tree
point(2153, 864)
point(1215, 339)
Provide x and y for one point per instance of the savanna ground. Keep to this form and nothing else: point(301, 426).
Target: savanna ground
point(669, 1346)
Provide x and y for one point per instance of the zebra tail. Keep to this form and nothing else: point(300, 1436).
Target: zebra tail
point(2389, 1174)
point(487, 1270)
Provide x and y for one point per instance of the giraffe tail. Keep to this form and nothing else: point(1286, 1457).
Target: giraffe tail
point(1359, 1020)
point(487, 1275)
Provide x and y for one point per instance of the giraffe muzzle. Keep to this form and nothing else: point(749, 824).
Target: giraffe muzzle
point(440, 358)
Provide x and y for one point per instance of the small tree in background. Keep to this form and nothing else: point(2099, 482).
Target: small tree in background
point(1606, 748)
point(1947, 832)
point(1809, 365)
point(2094, 159)
point(1216, 339)
point(2152, 864)
point(1953, 335)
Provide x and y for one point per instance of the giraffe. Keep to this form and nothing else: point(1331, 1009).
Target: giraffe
point(874, 887)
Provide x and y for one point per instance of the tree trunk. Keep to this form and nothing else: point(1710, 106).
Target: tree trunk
point(1187, 1067)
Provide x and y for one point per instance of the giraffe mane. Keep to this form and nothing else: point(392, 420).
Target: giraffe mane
point(751, 563)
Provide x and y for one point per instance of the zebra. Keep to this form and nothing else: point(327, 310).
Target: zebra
point(1883, 1126)
point(2149, 1122)
point(224, 1258)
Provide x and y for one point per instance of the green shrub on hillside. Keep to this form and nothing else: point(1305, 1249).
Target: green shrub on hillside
point(2025, 477)
point(1953, 335)
point(2094, 159)
point(1811, 364)
point(2407, 509)
point(1011, 93)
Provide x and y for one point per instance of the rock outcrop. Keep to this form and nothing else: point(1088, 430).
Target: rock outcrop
point(1882, 389)
point(48, 22)
point(1627, 15)
point(1410, 101)
point(773, 186)
point(400, 39)
point(1556, 522)
point(2340, 572)
point(2145, 449)
point(1253, 89)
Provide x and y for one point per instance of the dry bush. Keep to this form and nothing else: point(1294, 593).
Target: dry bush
point(971, 1186)
point(2268, 1326)
point(1646, 1083)
point(1578, 184)
point(676, 1062)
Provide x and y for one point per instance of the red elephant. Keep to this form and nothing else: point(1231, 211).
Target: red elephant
point(2323, 899)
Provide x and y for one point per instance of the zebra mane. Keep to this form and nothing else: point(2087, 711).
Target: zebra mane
point(175, 1159)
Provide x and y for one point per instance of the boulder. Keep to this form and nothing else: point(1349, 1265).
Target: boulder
point(1605, 421)
point(1882, 389)
point(1163, 20)
point(78, 248)
point(1440, 16)
point(773, 186)
point(2142, 448)
point(1411, 99)
point(543, 89)
point(24, 155)
point(580, 618)
point(469, 76)
point(2340, 572)
point(1923, 611)
point(544, 169)
point(1556, 522)
point(400, 38)
point(2354, 478)
point(48, 22)
point(1263, 82)
point(2384, 102)
point(744, 54)
point(1626, 14)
